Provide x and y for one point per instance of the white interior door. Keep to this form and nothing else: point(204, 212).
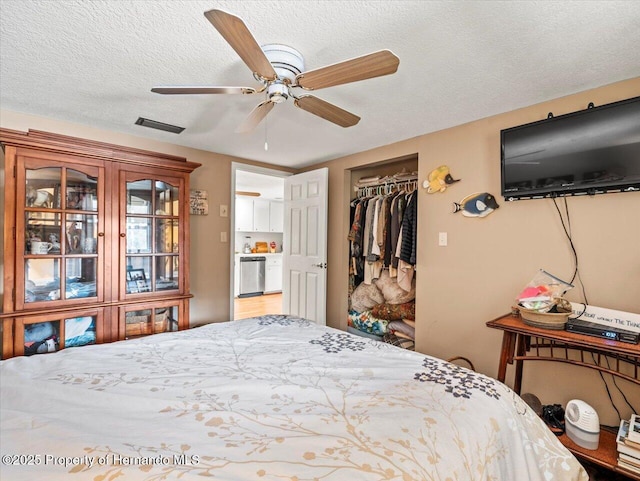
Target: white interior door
point(305, 245)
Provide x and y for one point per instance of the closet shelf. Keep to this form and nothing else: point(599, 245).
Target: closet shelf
point(386, 185)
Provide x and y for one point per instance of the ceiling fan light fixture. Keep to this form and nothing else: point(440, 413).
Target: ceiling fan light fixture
point(279, 68)
point(286, 61)
point(277, 92)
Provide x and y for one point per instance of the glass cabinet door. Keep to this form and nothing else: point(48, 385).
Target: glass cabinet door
point(152, 234)
point(51, 332)
point(59, 227)
point(150, 320)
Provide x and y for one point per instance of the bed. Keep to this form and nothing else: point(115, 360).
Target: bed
point(267, 398)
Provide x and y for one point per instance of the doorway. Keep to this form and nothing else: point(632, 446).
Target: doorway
point(257, 227)
point(257, 306)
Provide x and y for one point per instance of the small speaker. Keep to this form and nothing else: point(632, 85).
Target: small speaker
point(582, 424)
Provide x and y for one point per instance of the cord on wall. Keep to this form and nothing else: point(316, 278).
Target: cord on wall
point(576, 274)
point(567, 231)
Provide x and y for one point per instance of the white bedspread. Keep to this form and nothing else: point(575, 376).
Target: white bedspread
point(271, 398)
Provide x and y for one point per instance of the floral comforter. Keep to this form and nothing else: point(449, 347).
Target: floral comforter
point(269, 398)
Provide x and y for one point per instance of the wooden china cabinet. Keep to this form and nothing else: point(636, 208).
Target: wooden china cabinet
point(96, 242)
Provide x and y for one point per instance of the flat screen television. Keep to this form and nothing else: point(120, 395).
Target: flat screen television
point(592, 151)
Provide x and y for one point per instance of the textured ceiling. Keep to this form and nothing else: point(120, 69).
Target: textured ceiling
point(94, 62)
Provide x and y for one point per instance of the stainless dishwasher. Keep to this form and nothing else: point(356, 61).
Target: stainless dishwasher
point(252, 276)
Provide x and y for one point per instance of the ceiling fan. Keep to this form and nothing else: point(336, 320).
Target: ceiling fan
point(280, 69)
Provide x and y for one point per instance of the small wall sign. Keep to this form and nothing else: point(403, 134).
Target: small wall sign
point(198, 202)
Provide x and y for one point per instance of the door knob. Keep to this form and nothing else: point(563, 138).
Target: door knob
point(322, 265)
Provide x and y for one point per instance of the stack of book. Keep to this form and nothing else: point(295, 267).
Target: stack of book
point(628, 441)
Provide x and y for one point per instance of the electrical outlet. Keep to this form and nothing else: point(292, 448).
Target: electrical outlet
point(442, 239)
point(223, 237)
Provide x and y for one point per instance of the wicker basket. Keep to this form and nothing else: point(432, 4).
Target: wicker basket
point(141, 325)
point(544, 320)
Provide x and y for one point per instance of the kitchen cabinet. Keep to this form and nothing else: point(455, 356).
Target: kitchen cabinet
point(276, 216)
point(259, 215)
point(244, 214)
point(91, 227)
point(273, 273)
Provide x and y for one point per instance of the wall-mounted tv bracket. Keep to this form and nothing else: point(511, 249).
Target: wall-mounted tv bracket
point(590, 106)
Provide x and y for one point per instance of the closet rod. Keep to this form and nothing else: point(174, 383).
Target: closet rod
point(386, 187)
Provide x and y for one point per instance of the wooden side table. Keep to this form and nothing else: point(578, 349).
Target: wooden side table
point(521, 343)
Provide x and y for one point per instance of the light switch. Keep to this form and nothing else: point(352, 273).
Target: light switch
point(224, 212)
point(223, 237)
point(442, 239)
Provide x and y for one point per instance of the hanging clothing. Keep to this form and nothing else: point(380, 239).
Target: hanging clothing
point(373, 264)
point(375, 236)
point(387, 246)
point(397, 211)
point(405, 275)
point(374, 246)
point(410, 231)
point(367, 240)
point(356, 235)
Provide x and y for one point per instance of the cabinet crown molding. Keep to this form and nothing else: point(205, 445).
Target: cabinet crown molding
point(41, 140)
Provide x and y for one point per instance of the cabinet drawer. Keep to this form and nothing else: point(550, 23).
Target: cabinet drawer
point(274, 260)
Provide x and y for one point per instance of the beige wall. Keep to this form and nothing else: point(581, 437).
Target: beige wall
point(487, 261)
point(210, 258)
point(477, 276)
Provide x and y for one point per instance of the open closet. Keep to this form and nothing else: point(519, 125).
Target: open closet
point(382, 251)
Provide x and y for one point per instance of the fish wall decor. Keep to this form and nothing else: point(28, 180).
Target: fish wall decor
point(476, 205)
point(438, 180)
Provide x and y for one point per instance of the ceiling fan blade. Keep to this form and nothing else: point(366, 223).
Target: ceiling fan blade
point(360, 68)
point(255, 117)
point(202, 90)
point(327, 111)
point(236, 33)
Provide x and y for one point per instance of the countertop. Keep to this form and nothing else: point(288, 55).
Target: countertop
point(240, 254)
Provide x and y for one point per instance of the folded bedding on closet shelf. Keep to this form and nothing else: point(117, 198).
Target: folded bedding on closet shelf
point(366, 322)
point(402, 342)
point(402, 329)
point(395, 312)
